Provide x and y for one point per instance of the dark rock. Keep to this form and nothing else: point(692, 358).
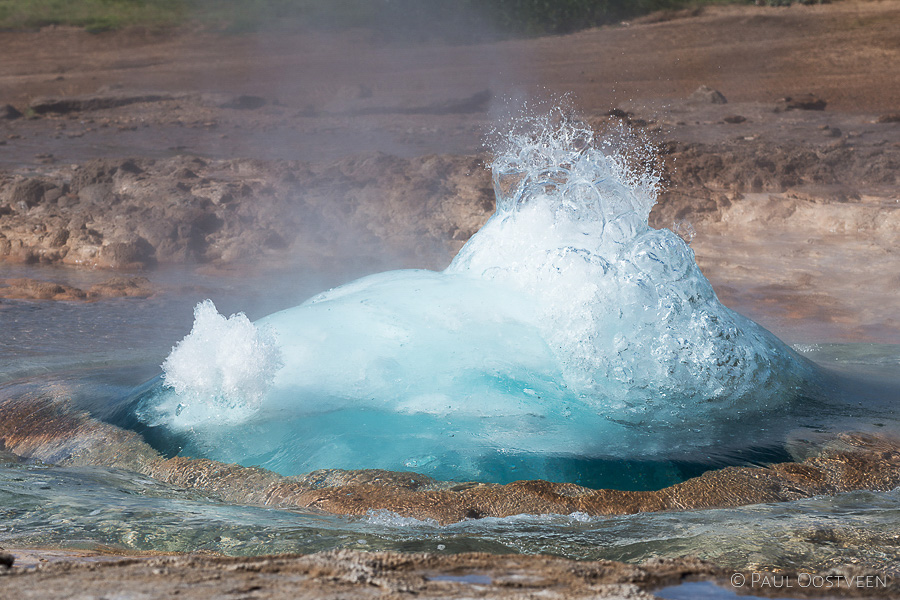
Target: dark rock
point(889, 118)
point(244, 103)
point(53, 194)
point(707, 95)
point(9, 112)
point(619, 113)
point(8, 458)
point(101, 170)
point(63, 106)
point(734, 119)
point(59, 238)
point(804, 102)
point(7, 560)
point(130, 166)
point(32, 192)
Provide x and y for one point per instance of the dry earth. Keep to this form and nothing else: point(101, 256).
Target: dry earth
point(135, 149)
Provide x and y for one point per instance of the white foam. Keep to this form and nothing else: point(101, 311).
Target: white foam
point(623, 306)
point(223, 367)
point(386, 518)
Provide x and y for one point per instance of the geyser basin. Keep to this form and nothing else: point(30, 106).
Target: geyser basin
point(566, 336)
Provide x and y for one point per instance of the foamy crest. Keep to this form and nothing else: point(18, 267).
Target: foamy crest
point(224, 366)
point(389, 519)
point(624, 307)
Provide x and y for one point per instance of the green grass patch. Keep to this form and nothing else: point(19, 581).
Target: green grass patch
point(451, 20)
point(93, 15)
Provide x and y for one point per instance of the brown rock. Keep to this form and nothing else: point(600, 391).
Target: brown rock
point(136, 253)
point(59, 238)
point(34, 289)
point(9, 112)
point(363, 211)
point(31, 192)
point(102, 171)
point(96, 193)
point(803, 102)
point(184, 173)
point(122, 287)
point(707, 95)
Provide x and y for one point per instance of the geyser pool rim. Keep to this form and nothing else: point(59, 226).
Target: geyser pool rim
point(565, 329)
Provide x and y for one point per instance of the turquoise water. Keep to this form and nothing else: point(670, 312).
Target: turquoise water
point(98, 361)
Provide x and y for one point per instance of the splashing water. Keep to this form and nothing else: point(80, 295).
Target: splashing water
point(222, 363)
point(566, 332)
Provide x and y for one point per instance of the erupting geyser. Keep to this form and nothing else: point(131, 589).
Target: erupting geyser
point(566, 329)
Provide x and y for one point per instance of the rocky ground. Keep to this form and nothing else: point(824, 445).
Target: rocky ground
point(129, 151)
point(345, 574)
point(798, 233)
point(351, 574)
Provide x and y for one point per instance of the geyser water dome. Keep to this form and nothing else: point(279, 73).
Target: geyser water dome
point(566, 334)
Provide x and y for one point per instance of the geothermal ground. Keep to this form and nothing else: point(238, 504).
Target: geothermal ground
point(137, 149)
point(126, 153)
